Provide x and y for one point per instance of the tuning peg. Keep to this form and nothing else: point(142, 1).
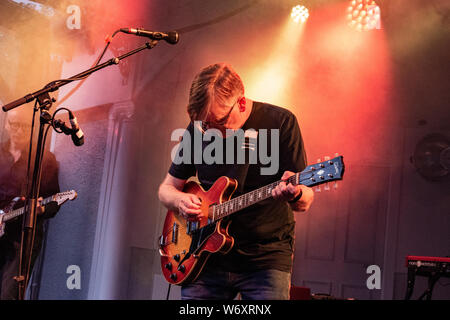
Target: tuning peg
point(321, 165)
point(326, 158)
point(317, 189)
point(326, 187)
point(335, 185)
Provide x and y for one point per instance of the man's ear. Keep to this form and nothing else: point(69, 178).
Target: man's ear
point(242, 103)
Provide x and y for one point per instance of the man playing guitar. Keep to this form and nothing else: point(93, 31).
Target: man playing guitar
point(13, 170)
point(258, 265)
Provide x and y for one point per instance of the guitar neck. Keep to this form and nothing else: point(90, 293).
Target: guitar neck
point(226, 208)
point(18, 212)
point(312, 175)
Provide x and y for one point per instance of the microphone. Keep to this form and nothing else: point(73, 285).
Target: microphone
point(74, 130)
point(170, 37)
point(77, 133)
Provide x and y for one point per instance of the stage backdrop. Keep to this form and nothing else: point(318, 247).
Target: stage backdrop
point(370, 96)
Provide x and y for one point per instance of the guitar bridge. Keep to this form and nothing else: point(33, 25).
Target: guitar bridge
point(162, 243)
point(164, 238)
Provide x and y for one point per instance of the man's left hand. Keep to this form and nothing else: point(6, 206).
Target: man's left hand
point(39, 208)
point(288, 192)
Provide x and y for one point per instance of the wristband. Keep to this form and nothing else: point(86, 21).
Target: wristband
point(296, 198)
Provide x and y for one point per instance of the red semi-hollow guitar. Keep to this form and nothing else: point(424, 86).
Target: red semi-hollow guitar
point(185, 246)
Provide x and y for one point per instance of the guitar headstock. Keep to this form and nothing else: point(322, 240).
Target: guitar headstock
point(62, 197)
point(323, 172)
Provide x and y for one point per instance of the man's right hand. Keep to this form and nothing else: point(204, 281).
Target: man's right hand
point(189, 206)
point(171, 194)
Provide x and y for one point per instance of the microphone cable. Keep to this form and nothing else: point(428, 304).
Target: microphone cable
point(168, 291)
point(108, 40)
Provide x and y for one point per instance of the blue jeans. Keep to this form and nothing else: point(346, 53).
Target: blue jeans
point(257, 285)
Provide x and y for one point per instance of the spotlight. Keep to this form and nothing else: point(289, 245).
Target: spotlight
point(299, 14)
point(363, 15)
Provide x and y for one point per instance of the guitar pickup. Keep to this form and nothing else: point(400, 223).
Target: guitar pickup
point(191, 226)
point(174, 232)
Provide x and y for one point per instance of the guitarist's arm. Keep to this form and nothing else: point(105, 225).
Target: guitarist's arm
point(171, 195)
point(306, 199)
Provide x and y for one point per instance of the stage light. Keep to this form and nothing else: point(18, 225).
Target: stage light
point(271, 76)
point(299, 14)
point(363, 15)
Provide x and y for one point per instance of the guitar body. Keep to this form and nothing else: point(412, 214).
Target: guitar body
point(3, 213)
point(186, 246)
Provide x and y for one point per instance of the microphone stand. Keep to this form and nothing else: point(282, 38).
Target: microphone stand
point(55, 85)
point(45, 102)
point(29, 220)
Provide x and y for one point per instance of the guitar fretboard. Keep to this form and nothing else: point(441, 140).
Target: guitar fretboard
point(15, 213)
point(312, 175)
point(226, 208)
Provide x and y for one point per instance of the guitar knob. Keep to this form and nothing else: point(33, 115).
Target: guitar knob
point(176, 257)
point(182, 268)
point(168, 266)
point(173, 276)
